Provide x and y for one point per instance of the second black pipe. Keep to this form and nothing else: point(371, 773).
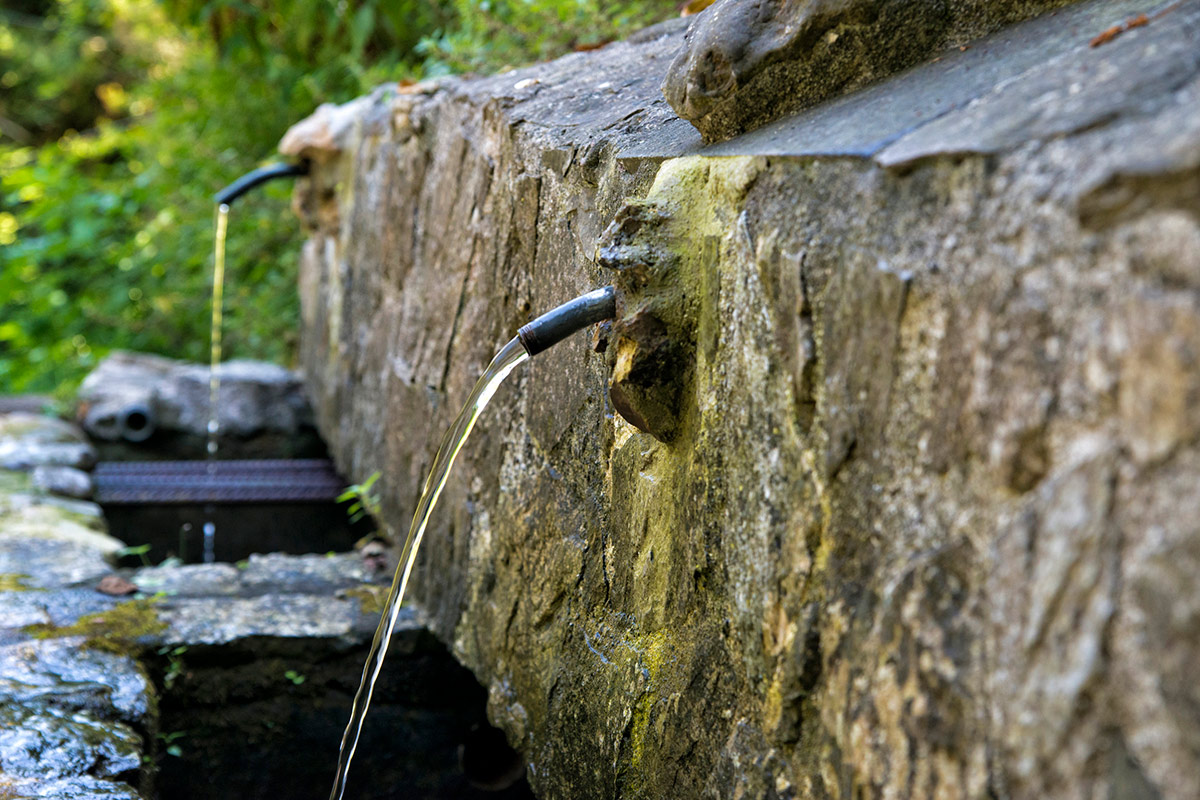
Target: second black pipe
point(259, 176)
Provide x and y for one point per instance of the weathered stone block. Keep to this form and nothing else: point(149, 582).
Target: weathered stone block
point(916, 521)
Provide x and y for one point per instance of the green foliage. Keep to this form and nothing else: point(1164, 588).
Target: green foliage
point(62, 65)
point(140, 551)
point(119, 121)
point(492, 34)
point(106, 235)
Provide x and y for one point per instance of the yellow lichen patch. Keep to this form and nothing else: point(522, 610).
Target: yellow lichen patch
point(653, 649)
point(116, 630)
point(15, 582)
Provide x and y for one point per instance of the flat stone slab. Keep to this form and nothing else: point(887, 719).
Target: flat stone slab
point(49, 606)
point(212, 621)
point(259, 574)
point(49, 563)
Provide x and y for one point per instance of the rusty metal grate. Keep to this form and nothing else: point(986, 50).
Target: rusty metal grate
point(251, 481)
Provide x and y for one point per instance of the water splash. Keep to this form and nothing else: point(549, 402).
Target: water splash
point(210, 542)
point(505, 361)
point(214, 377)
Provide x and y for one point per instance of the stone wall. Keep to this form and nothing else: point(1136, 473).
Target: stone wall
point(913, 512)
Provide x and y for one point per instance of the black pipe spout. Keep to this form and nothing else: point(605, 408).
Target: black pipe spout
point(557, 324)
point(259, 176)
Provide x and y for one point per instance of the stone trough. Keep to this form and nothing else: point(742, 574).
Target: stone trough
point(207, 680)
point(271, 489)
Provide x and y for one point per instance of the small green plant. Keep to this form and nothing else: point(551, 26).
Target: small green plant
point(139, 550)
point(169, 740)
point(295, 677)
point(174, 663)
point(365, 501)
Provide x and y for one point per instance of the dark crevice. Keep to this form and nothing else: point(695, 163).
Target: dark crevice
point(263, 719)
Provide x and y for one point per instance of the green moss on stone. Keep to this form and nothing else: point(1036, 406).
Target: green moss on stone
point(12, 481)
point(371, 598)
point(117, 630)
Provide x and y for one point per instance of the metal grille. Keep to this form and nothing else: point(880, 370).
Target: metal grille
point(251, 481)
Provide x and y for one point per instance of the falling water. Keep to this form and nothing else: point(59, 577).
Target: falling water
point(214, 377)
point(505, 361)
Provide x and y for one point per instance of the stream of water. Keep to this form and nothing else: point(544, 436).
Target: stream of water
point(505, 361)
point(214, 377)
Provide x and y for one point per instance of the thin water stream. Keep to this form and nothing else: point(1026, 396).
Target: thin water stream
point(505, 361)
point(214, 377)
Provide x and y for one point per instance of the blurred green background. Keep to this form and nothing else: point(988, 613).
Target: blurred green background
point(120, 118)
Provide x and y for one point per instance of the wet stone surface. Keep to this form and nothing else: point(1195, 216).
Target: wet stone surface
point(51, 743)
point(64, 674)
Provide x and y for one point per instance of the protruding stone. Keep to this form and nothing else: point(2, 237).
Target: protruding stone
point(48, 743)
point(747, 62)
point(650, 355)
point(325, 133)
point(63, 673)
point(28, 441)
point(648, 373)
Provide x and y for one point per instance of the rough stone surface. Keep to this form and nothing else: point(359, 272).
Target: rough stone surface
point(62, 674)
point(48, 606)
point(51, 563)
point(78, 787)
point(66, 481)
point(925, 524)
point(223, 620)
point(746, 62)
point(54, 744)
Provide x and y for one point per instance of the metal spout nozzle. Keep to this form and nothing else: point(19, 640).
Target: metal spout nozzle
point(557, 324)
